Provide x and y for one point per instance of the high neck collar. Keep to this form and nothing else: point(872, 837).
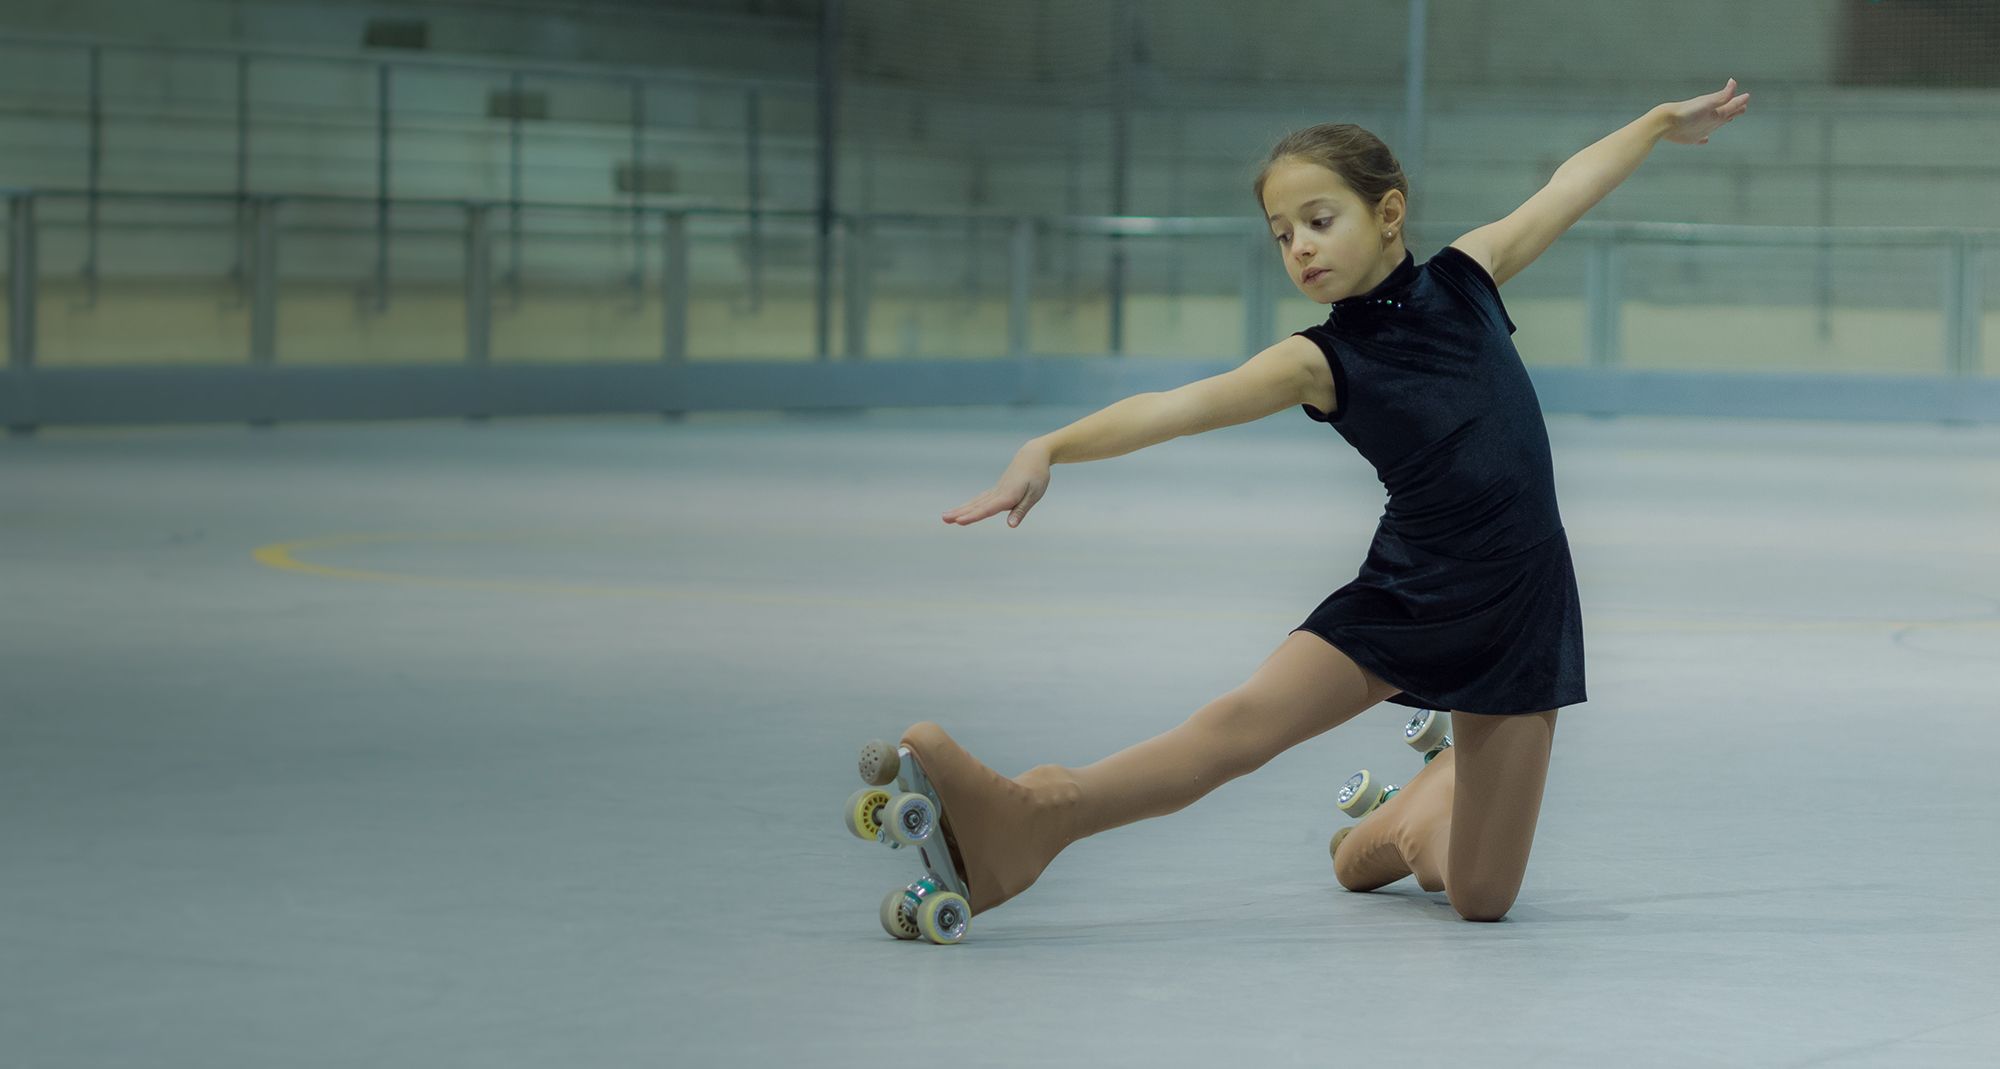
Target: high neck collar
point(1389, 288)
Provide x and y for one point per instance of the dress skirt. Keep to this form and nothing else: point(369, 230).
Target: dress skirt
point(1496, 636)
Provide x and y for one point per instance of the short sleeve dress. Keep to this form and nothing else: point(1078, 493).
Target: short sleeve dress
point(1467, 599)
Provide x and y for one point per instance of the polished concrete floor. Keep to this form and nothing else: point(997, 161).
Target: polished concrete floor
point(524, 744)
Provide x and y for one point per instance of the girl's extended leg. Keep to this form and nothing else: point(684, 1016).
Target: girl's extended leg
point(1465, 823)
point(1006, 831)
point(1305, 688)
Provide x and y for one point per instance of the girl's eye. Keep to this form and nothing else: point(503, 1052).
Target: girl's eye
point(1280, 239)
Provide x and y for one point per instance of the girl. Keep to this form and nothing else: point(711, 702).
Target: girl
point(1466, 600)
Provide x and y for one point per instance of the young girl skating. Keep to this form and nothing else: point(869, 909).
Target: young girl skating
point(1466, 600)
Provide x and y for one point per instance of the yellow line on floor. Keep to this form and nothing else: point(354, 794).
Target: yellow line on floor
point(284, 557)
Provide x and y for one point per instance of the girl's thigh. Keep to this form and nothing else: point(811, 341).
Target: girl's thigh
point(1502, 765)
point(1305, 687)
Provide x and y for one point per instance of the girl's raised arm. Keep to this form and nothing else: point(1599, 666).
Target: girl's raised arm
point(1506, 247)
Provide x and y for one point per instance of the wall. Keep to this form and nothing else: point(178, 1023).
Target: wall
point(1515, 90)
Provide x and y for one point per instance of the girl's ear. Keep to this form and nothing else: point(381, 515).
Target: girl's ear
point(1392, 207)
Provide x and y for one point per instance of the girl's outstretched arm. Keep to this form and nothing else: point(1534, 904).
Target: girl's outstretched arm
point(1506, 247)
point(1272, 381)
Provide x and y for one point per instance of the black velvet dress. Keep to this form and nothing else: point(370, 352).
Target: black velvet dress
point(1467, 599)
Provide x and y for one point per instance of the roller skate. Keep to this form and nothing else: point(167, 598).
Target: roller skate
point(983, 838)
point(1428, 733)
point(936, 907)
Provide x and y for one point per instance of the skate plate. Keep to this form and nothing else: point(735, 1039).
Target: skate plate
point(936, 907)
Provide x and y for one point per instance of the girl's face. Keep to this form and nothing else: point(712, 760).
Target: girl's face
point(1330, 241)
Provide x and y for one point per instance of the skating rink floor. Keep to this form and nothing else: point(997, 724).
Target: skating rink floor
point(525, 744)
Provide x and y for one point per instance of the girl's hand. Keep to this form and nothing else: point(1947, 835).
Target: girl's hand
point(1693, 120)
point(1020, 486)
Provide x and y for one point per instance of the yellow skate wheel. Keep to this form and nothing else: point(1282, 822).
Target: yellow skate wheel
point(910, 818)
point(863, 809)
point(1333, 847)
point(879, 763)
point(942, 917)
point(895, 919)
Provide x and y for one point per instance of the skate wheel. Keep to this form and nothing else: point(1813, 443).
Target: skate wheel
point(942, 917)
point(910, 819)
point(879, 763)
point(1428, 732)
point(1361, 793)
point(1333, 847)
point(863, 807)
point(895, 920)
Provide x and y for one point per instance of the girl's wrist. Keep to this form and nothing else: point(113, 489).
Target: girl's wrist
point(1659, 121)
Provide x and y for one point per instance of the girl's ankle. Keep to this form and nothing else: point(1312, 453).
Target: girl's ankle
point(1054, 791)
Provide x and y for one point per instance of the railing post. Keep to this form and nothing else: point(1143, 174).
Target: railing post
point(1114, 294)
point(1256, 297)
point(754, 138)
point(478, 285)
point(830, 20)
point(1600, 302)
point(1020, 286)
point(1962, 307)
point(244, 249)
point(514, 86)
point(855, 288)
point(1975, 307)
point(382, 188)
point(94, 174)
point(638, 192)
point(264, 282)
point(21, 287)
point(674, 285)
point(243, 125)
point(1127, 30)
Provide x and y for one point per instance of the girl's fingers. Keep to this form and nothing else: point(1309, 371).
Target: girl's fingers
point(979, 508)
point(971, 512)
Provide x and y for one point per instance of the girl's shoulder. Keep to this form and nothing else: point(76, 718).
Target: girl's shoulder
point(1468, 282)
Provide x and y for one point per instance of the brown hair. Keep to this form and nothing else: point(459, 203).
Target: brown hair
point(1357, 156)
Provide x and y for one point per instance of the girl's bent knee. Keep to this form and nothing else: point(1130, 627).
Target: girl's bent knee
point(1485, 909)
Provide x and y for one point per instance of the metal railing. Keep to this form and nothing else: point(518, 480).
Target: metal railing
point(666, 239)
point(635, 82)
